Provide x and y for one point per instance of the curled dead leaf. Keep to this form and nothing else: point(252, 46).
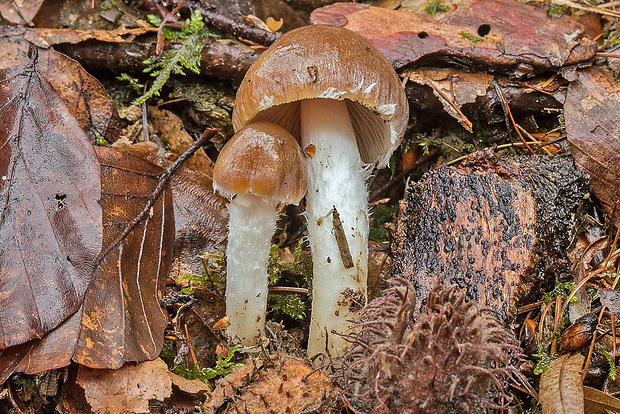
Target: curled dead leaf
point(50, 219)
point(561, 388)
point(593, 131)
point(120, 319)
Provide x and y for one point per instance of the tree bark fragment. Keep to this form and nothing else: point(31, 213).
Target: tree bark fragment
point(497, 227)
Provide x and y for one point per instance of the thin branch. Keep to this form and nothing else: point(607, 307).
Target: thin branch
point(163, 181)
point(227, 25)
point(423, 160)
point(159, 48)
point(508, 113)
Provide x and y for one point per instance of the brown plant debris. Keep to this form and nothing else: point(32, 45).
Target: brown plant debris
point(497, 227)
point(284, 384)
point(82, 93)
point(453, 358)
point(50, 219)
point(561, 387)
point(592, 128)
point(503, 34)
point(120, 319)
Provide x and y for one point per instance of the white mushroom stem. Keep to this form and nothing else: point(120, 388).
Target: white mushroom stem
point(250, 228)
point(336, 178)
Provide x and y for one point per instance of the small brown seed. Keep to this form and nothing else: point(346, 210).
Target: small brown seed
point(580, 333)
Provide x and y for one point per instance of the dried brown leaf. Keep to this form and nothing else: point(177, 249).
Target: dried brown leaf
point(125, 390)
point(591, 113)
point(598, 402)
point(120, 319)
point(50, 222)
point(45, 37)
point(454, 89)
point(611, 299)
point(83, 95)
point(20, 11)
point(561, 388)
point(504, 34)
point(200, 214)
point(287, 384)
point(193, 387)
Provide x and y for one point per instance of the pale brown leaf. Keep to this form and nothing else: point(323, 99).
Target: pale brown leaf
point(20, 11)
point(611, 299)
point(120, 319)
point(598, 402)
point(591, 113)
point(504, 34)
point(561, 388)
point(125, 390)
point(84, 96)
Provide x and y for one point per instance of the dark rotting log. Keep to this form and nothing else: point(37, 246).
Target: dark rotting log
point(498, 227)
point(225, 59)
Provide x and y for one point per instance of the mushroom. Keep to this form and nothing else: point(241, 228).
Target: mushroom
point(260, 167)
point(339, 96)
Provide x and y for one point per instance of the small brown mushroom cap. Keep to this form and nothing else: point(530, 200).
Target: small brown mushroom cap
point(262, 159)
point(327, 62)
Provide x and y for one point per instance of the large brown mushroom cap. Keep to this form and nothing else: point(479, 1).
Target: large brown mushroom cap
point(327, 62)
point(262, 159)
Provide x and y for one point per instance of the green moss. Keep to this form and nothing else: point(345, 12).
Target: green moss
point(612, 365)
point(435, 7)
point(291, 305)
point(300, 269)
point(474, 39)
point(562, 289)
point(222, 368)
point(209, 275)
point(557, 10)
point(177, 61)
point(381, 216)
point(543, 357)
point(297, 273)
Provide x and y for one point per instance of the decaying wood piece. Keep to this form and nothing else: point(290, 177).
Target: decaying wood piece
point(471, 97)
point(226, 59)
point(502, 34)
point(495, 226)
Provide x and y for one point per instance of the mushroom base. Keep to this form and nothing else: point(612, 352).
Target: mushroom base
point(337, 222)
point(251, 226)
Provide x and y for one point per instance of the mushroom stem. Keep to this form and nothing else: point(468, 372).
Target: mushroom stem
point(250, 228)
point(336, 178)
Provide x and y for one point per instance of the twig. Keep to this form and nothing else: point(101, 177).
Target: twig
point(163, 181)
point(543, 316)
point(423, 160)
point(502, 146)
point(508, 113)
point(579, 285)
point(160, 30)
point(591, 349)
point(224, 59)
point(611, 55)
point(464, 121)
point(191, 348)
point(613, 330)
point(287, 290)
point(574, 5)
point(556, 323)
point(227, 25)
point(519, 127)
point(529, 307)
